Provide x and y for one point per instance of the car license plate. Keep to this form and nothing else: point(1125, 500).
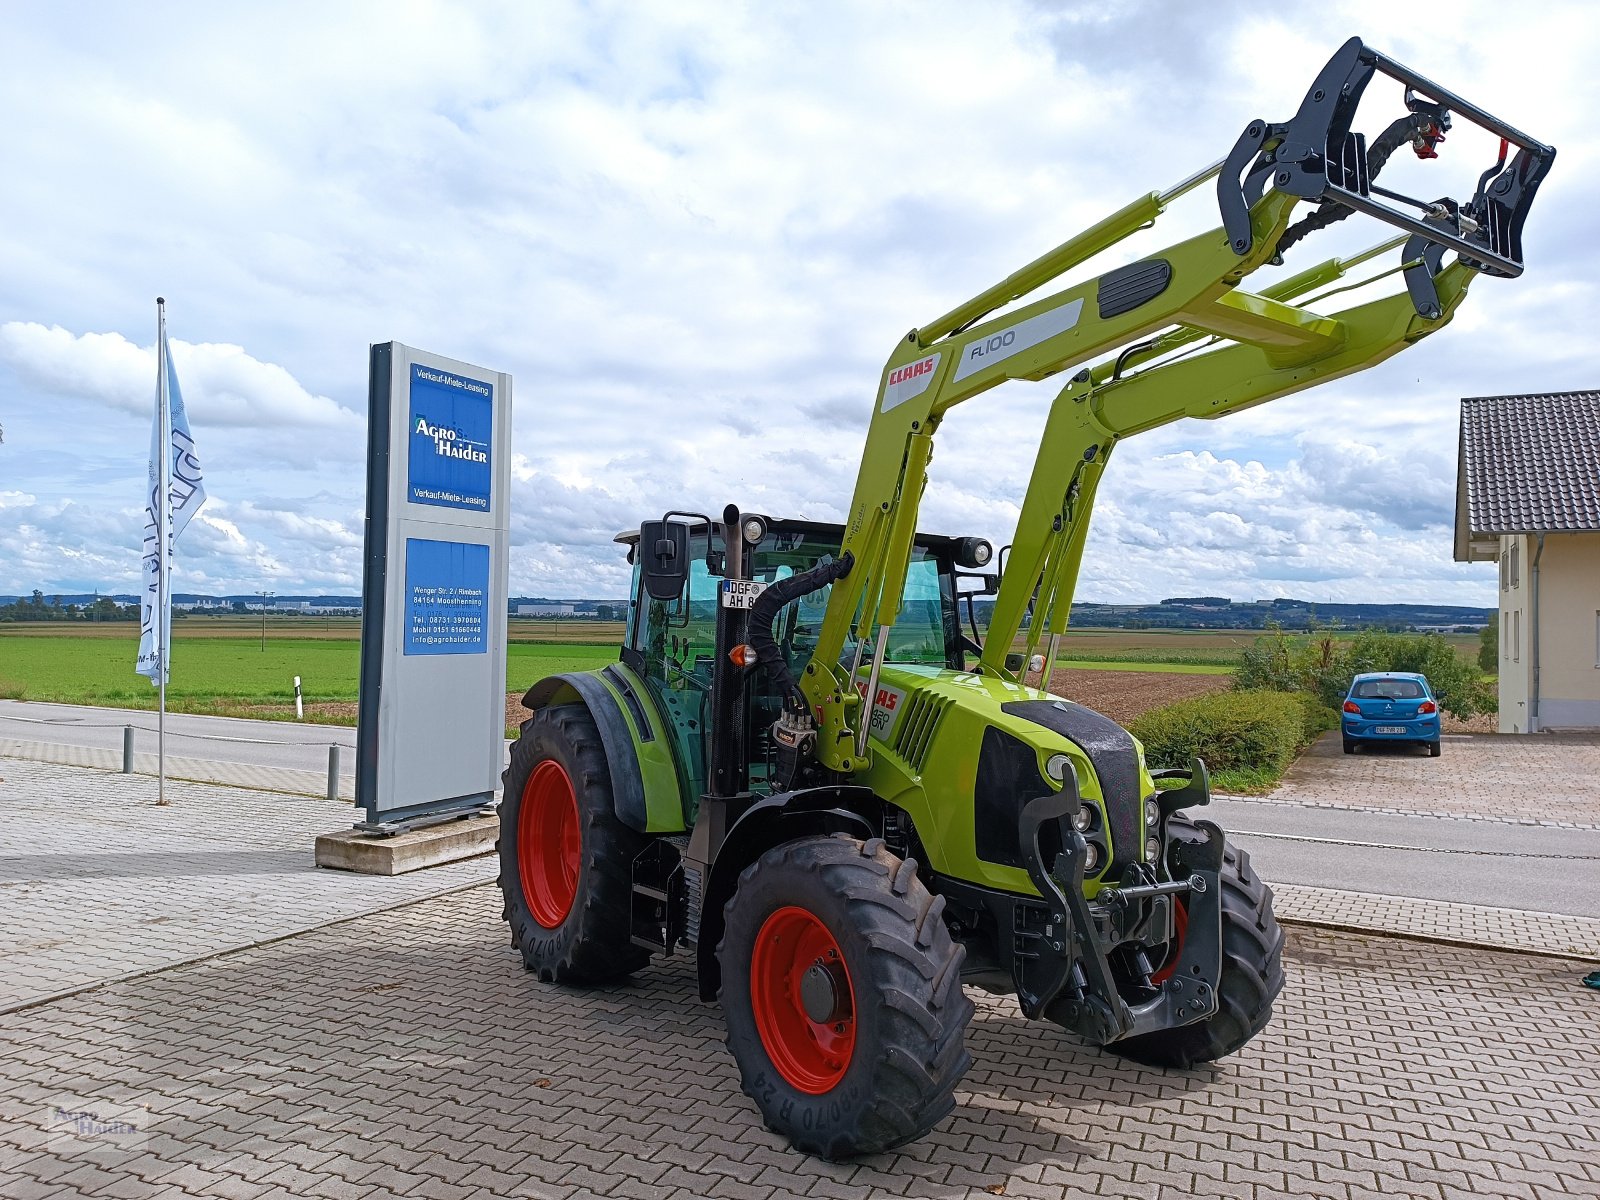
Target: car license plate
point(1390, 729)
point(741, 593)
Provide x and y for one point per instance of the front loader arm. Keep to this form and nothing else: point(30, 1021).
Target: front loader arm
point(1094, 412)
point(1267, 347)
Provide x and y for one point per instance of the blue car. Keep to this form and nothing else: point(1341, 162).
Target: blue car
point(1390, 706)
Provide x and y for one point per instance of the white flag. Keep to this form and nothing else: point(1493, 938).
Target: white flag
point(186, 493)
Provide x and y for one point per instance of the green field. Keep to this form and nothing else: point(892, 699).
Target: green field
point(240, 665)
point(214, 673)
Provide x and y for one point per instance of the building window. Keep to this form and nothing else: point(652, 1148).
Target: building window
point(1516, 636)
point(1514, 574)
point(1505, 634)
point(1597, 641)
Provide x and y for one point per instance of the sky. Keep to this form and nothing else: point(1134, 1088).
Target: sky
point(692, 233)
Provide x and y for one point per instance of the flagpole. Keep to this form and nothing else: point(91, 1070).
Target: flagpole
point(163, 548)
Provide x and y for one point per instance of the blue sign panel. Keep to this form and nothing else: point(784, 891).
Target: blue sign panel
point(452, 424)
point(447, 597)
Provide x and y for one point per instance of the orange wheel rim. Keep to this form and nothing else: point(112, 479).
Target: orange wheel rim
point(803, 1000)
point(1180, 926)
point(549, 844)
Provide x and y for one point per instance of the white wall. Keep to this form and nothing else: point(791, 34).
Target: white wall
point(1569, 632)
point(1515, 661)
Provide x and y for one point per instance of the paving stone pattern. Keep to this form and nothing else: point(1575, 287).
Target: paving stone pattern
point(201, 770)
point(1436, 920)
point(410, 1055)
point(98, 883)
point(1546, 779)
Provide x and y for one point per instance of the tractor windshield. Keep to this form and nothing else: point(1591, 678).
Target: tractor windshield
point(926, 628)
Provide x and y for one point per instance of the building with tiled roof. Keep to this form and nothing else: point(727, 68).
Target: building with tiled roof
point(1528, 496)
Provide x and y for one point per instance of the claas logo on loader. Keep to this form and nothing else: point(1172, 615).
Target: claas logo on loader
point(911, 370)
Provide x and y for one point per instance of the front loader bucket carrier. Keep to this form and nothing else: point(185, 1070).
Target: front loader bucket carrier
point(1317, 156)
point(1174, 335)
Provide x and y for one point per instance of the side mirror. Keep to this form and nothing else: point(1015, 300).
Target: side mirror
point(985, 584)
point(664, 558)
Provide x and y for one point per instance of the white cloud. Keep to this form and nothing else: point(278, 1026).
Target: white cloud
point(693, 234)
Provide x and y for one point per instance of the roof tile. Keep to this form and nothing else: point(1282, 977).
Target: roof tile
point(1531, 463)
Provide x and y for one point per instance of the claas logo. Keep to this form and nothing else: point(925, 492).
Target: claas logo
point(886, 699)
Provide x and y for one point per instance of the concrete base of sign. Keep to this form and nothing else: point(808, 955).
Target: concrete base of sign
point(349, 850)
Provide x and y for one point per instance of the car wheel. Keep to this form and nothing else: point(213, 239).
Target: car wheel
point(1433, 749)
point(1349, 745)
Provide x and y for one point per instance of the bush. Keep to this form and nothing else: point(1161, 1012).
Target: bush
point(1231, 731)
point(1323, 666)
point(1316, 718)
point(1489, 648)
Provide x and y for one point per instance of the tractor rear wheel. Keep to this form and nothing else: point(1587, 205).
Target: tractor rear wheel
point(1252, 975)
point(566, 861)
point(842, 991)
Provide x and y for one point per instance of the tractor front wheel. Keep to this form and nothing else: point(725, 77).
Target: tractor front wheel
point(1252, 975)
point(566, 861)
point(842, 991)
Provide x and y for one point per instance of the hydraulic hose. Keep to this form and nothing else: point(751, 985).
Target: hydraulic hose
point(1390, 140)
point(764, 613)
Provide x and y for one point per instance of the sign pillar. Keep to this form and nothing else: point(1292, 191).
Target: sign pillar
point(430, 734)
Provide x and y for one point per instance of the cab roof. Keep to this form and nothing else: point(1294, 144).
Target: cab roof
point(826, 529)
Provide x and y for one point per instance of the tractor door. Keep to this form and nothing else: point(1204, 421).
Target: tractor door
point(673, 645)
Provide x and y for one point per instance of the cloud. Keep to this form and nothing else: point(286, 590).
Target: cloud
point(238, 390)
point(694, 235)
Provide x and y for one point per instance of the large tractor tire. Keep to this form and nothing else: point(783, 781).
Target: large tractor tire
point(1252, 975)
point(566, 861)
point(842, 991)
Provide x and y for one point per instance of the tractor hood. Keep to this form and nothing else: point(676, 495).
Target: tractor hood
point(966, 752)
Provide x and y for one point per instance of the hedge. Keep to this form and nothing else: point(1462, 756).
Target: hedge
point(1232, 731)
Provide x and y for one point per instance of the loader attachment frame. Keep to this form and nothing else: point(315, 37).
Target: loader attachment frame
point(1177, 336)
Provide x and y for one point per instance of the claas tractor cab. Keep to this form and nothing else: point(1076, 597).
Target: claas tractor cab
point(819, 767)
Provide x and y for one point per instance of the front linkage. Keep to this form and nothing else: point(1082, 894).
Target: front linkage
point(1058, 950)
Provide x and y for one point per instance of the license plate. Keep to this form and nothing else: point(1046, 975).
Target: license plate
point(741, 593)
point(1390, 729)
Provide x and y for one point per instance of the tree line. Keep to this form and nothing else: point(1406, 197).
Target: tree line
point(39, 608)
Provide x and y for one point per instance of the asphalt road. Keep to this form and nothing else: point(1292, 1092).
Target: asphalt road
point(1446, 863)
point(282, 744)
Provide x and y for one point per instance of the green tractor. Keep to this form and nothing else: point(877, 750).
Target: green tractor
point(818, 765)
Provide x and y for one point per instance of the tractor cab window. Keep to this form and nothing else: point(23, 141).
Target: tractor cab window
point(921, 635)
point(925, 632)
point(676, 645)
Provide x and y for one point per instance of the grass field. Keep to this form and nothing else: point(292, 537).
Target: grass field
point(278, 627)
point(212, 672)
point(220, 665)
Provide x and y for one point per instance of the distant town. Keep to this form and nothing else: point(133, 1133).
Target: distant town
point(1175, 612)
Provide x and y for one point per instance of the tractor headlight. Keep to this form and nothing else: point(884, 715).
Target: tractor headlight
point(1083, 819)
point(1056, 767)
point(754, 529)
point(1152, 812)
point(1152, 849)
point(1091, 858)
point(973, 552)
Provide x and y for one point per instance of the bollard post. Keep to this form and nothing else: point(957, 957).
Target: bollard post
point(333, 772)
point(127, 749)
point(299, 710)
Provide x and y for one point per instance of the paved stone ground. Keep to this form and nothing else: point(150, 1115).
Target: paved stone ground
point(97, 883)
point(409, 1054)
point(195, 770)
point(1543, 779)
point(1433, 920)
